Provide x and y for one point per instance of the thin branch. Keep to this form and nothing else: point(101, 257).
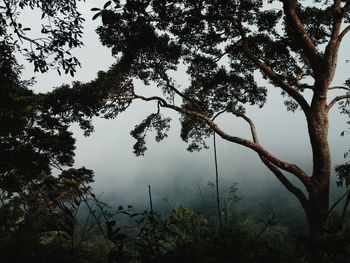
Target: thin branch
point(92, 212)
point(307, 87)
point(219, 113)
point(54, 163)
point(287, 184)
point(150, 198)
point(336, 99)
point(218, 58)
point(217, 184)
point(251, 124)
point(268, 223)
point(338, 201)
point(343, 33)
point(347, 201)
point(339, 87)
point(186, 98)
point(21, 36)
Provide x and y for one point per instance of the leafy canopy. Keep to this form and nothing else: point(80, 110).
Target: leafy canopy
point(225, 45)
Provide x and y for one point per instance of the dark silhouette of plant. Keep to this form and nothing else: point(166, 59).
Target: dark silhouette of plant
point(37, 209)
point(186, 236)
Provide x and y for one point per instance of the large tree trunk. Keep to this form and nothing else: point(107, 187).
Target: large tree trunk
point(318, 204)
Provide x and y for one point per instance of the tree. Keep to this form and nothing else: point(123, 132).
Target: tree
point(292, 44)
point(36, 205)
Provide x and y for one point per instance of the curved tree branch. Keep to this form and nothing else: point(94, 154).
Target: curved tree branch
point(251, 124)
point(343, 33)
point(284, 180)
point(277, 172)
point(336, 99)
point(292, 168)
point(339, 87)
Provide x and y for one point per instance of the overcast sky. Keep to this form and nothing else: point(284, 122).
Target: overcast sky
point(108, 151)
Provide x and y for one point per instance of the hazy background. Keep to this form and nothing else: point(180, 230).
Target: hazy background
point(174, 173)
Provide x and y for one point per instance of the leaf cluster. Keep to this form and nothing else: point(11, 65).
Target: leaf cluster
point(61, 31)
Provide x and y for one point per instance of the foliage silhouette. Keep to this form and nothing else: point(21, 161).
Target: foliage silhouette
point(186, 236)
point(37, 209)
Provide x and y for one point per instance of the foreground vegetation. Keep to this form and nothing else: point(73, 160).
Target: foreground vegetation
point(95, 232)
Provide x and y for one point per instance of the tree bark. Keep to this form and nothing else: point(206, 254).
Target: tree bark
point(318, 203)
